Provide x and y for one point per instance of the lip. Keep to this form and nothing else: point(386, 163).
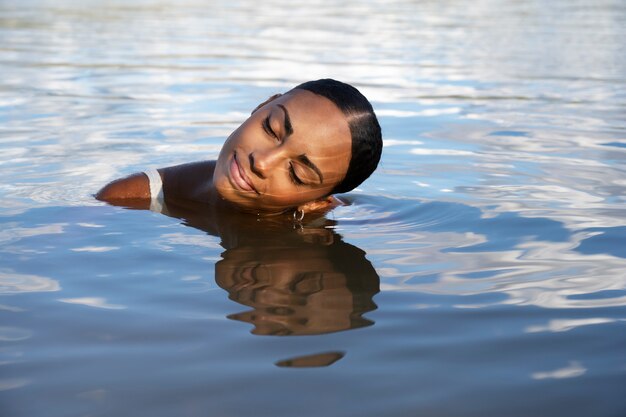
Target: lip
point(239, 177)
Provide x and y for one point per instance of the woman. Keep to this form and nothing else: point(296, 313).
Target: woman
point(292, 153)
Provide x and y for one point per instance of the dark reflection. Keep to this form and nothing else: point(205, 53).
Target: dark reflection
point(296, 285)
point(298, 278)
point(311, 361)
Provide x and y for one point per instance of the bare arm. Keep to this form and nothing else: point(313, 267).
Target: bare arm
point(133, 187)
point(189, 181)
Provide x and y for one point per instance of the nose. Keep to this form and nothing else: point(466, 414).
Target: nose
point(262, 162)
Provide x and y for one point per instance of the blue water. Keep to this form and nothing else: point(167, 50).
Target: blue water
point(480, 271)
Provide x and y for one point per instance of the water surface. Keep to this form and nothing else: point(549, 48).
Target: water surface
point(480, 271)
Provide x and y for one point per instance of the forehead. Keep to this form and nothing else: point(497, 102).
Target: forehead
point(313, 108)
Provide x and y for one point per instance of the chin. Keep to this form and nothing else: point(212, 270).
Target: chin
point(227, 193)
point(255, 207)
point(243, 201)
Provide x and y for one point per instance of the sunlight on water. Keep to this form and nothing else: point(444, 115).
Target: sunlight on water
point(480, 271)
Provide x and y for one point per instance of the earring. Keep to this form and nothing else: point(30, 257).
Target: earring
point(298, 215)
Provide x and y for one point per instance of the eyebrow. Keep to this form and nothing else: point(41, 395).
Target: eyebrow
point(304, 160)
point(288, 127)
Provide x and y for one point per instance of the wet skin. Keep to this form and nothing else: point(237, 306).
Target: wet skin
point(292, 150)
point(289, 154)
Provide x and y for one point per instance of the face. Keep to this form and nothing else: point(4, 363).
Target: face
point(293, 290)
point(292, 150)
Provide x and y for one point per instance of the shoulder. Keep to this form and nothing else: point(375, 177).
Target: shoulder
point(135, 186)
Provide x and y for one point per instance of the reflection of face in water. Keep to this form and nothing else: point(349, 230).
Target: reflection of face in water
point(299, 288)
point(297, 279)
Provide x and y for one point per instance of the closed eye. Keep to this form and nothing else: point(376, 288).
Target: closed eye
point(268, 127)
point(292, 175)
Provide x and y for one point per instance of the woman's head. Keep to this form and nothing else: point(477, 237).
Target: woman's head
point(297, 148)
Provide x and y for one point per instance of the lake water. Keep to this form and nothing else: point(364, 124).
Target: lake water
point(481, 271)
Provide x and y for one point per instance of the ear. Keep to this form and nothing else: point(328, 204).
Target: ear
point(271, 98)
point(322, 204)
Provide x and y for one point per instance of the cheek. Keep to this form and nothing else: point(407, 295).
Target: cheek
point(229, 145)
point(220, 182)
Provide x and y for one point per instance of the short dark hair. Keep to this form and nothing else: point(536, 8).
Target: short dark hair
point(365, 131)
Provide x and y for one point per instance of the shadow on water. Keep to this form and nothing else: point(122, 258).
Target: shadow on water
point(298, 279)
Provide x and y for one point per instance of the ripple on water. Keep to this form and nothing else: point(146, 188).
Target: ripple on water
point(490, 238)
